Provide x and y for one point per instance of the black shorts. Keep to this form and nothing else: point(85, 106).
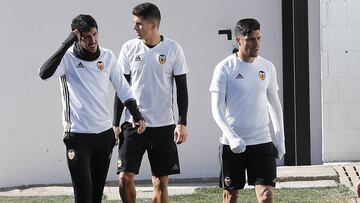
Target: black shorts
point(259, 161)
point(159, 143)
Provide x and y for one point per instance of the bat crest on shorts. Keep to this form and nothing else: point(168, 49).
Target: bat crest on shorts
point(119, 163)
point(227, 181)
point(71, 154)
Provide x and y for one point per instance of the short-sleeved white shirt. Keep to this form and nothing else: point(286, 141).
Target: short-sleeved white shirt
point(245, 86)
point(85, 91)
point(152, 73)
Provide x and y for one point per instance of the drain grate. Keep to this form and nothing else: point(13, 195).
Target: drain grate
point(349, 176)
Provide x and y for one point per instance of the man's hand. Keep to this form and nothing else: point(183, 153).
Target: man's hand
point(117, 132)
point(237, 146)
point(141, 126)
point(279, 145)
point(180, 134)
point(78, 35)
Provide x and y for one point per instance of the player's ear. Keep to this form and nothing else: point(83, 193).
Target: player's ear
point(238, 41)
point(155, 25)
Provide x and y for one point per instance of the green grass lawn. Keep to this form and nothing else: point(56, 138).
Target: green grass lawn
point(339, 194)
point(212, 195)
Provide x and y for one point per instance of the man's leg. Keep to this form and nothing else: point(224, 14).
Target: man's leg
point(160, 185)
point(99, 168)
point(164, 160)
point(264, 193)
point(132, 147)
point(78, 159)
point(230, 196)
point(127, 187)
point(100, 162)
point(262, 170)
point(232, 174)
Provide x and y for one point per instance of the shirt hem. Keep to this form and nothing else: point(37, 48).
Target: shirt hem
point(95, 131)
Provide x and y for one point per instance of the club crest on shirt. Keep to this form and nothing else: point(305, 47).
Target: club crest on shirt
point(100, 65)
point(262, 75)
point(71, 154)
point(162, 58)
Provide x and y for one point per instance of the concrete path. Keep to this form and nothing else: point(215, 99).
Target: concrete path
point(327, 175)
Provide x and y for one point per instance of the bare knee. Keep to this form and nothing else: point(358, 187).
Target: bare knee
point(160, 183)
point(230, 196)
point(266, 195)
point(126, 179)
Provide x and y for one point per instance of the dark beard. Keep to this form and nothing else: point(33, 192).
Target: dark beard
point(84, 54)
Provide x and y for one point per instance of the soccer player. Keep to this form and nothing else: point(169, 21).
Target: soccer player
point(242, 86)
point(85, 70)
point(151, 63)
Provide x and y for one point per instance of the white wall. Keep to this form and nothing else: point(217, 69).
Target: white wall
point(315, 82)
point(31, 148)
point(340, 53)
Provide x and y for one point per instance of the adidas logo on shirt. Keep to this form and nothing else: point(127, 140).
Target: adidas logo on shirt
point(239, 76)
point(138, 58)
point(80, 65)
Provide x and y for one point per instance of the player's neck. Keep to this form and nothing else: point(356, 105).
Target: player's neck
point(246, 58)
point(153, 41)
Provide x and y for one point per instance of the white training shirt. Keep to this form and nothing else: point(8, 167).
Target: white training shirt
point(245, 86)
point(85, 88)
point(152, 73)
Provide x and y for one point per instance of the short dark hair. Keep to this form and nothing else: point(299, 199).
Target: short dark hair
point(83, 23)
point(148, 11)
point(246, 26)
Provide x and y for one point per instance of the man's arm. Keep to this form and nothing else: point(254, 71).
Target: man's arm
point(49, 67)
point(237, 144)
point(182, 98)
point(124, 93)
point(131, 105)
point(279, 141)
point(180, 133)
point(119, 106)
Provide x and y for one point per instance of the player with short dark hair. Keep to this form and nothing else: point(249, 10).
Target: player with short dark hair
point(85, 70)
point(148, 11)
point(242, 86)
point(151, 63)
